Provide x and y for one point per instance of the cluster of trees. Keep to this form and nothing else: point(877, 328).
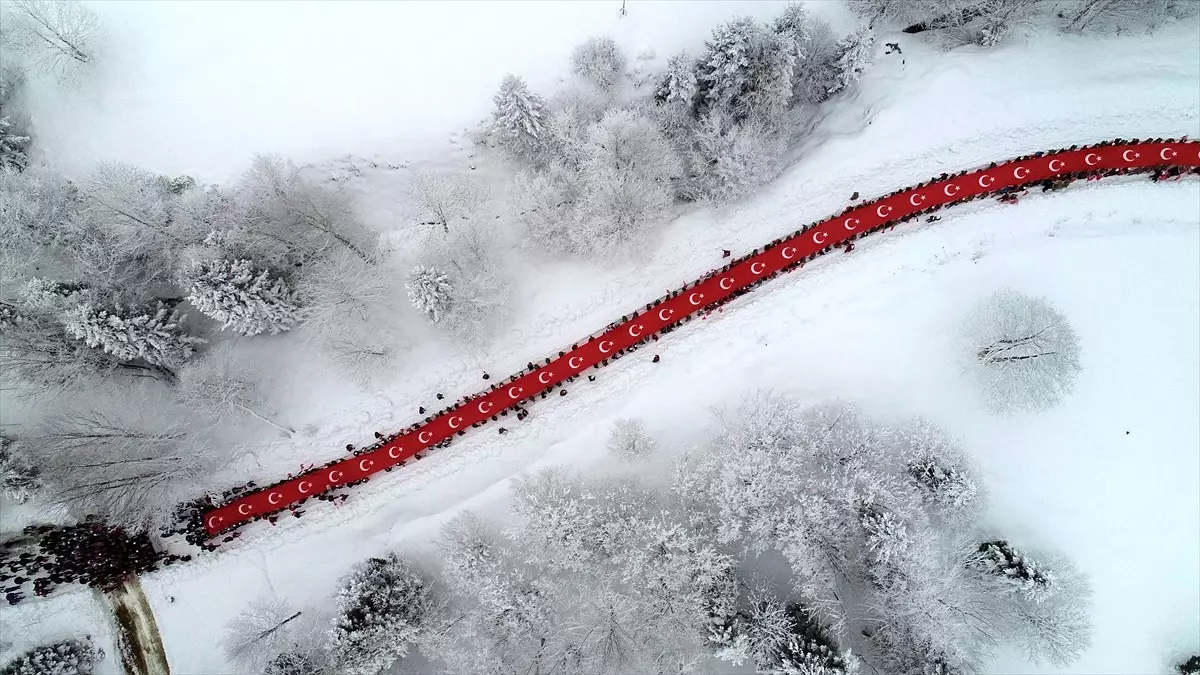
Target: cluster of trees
point(58, 37)
point(886, 567)
point(605, 158)
point(103, 279)
point(69, 657)
point(987, 22)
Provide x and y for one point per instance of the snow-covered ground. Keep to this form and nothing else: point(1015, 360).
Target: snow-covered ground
point(1121, 258)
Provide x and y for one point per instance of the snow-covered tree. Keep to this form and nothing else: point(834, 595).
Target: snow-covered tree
point(262, 632)
point(429, 291)
point(627, 168)
point(572, 113)
point(599, 61)
point(730, 160)
point(18, 476)
point(364, 355)
point(1025, 575)
point(808, 650)
point(248, 300)
point(480, 284)
point(448, 197)
point(518, 119)
point(856, 52)
point(56, 36)
point(130, 473)
point(36, 350)
point(547, 203)
point(1123, 15)
point(35, 206)
point(382, 606)
point(217, 385)
point(1022, 350)
point(678, 84)
point(277, 216)
point(70, 657)
point(816, 70)
point(629, 440)
point(747, 72)
point(342, 295)
point(153, 335)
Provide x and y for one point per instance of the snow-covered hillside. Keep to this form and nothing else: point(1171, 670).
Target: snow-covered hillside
point(1111, 476)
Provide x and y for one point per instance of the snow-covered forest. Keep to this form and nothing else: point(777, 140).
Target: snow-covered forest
point(812, 482)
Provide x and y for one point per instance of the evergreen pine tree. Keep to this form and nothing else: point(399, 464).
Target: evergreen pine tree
point(856, 53)
point(12, 146)
point(1001, 559)
point(292, 663)
point(944, 487)
point(747, 71)
point(808, 650)
point(71, 657)
point(518, 118)
point(382, 606)
point(598, 60)
point(151, 334)
point(247, 300)
point(678, 82)
point(429, 290)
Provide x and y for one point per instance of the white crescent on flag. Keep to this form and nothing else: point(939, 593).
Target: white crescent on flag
point(544, 377)
point(1017, 172)
point(243, 509)
point(603, 349)
point(1058, 168)
point(364, 464)
point(635, 330)
point(572, 363)
point(883, 211)
point(726, 283)
point(335, 476)
point(1091, 159)
point(394, 452)
point(847, 224)
point(1163, 153)
point(274, 498)
point(664, 314)
point(423, 436)
point(485, 406)
point(986, 180)
point(757, 267)
point(304, 490)
point(951, 190)
point(454, 424)
point(692, 298)
point(212, 522)
point(786, 255)
point(1126, 155)
point(916, 199)
point(515, 392)
point(820, 237)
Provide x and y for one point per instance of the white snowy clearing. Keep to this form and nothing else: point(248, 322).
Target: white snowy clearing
point(1111, 476)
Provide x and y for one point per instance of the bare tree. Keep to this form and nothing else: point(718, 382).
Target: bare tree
point(447, 196)
point(1022, 350)
point(52, 35)
point(216, 384)
point(342, 293)
point(265, 629)
point(629, 440)
point(131, 473)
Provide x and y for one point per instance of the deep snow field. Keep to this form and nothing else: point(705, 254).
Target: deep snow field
point(1111, 476)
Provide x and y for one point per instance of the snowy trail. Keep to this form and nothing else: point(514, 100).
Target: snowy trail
point(702, 297)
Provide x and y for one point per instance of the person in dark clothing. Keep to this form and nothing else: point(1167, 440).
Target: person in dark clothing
point(350, 447)
point(563, 392)
point(486, 376)
point(655, 359)
point(591, 378)
point(725, 253)
point(378, 435)
point(440, 397)
point(502, 430)
point(854, 196)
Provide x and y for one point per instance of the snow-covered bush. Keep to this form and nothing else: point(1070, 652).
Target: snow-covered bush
point(600, 61)
point(1124, 15)
point(730, 160)
point(678, 85)
point(429, 291)
point(250, 301)
point(572, 112)
point(71, 657)
point(518, 119)
point(856, 52)
point(547, 204)
point(18, 476)
point(342, 295)
point(747, 72)
point(1022, 350)
point(629, 440)
point(56, 36)
point(151, 334)
point(382, 606)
